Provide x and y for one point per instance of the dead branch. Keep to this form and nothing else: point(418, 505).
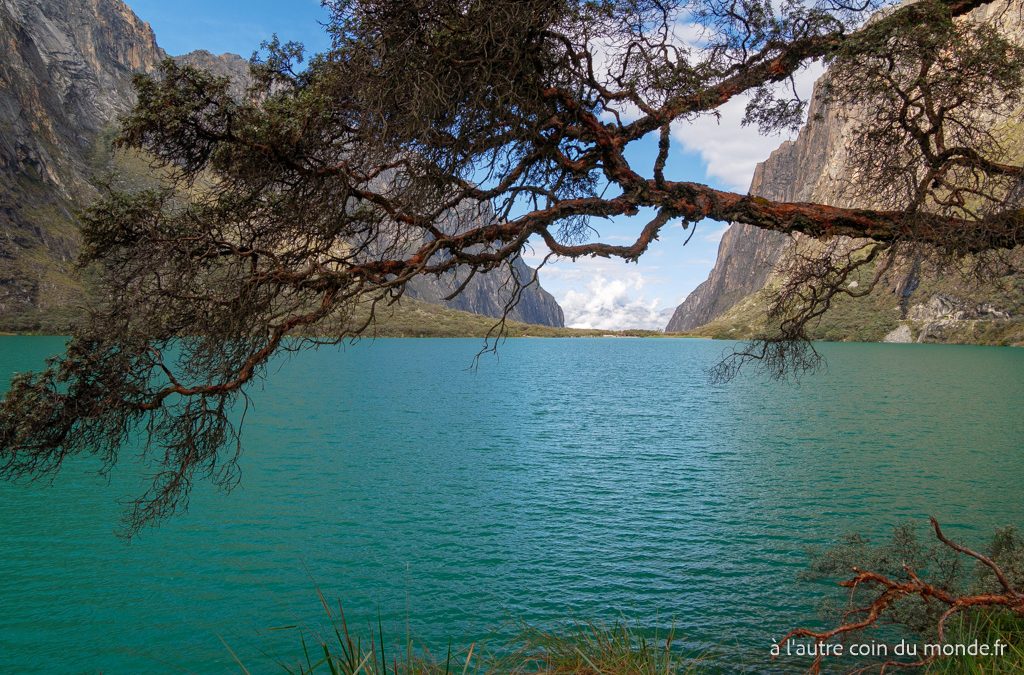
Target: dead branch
point(890, 591)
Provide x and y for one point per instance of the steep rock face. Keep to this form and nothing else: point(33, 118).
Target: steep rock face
point(65, 73)
point(231, 66)
point(488, 294)
point(813, 168)
point(796, 171)
point(65, 78)
point(66, 69)
point(746, 256)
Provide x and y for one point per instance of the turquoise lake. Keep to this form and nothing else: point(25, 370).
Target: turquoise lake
point(594, 479)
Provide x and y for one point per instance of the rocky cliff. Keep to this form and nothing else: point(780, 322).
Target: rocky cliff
point(488, 294)
point(733, 300)
point(231, 66)
point(65, 78)
point(796, 171)
point(65, 73)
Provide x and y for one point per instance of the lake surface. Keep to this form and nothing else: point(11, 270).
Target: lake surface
point(594, 479)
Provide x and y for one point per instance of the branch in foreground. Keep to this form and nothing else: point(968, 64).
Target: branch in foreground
point(438, 136)
point(889, 591)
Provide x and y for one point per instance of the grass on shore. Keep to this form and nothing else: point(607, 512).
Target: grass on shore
point(415, 318)
point(582, 649)
point(985, 627)
point(594, 649)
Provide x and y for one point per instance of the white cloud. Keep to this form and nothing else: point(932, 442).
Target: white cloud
point(729, 149)
point(611, 295)
point(614, 304)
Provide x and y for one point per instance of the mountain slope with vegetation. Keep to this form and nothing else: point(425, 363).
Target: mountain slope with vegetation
point(914, 303)
point(65, 72)
point(65, 76)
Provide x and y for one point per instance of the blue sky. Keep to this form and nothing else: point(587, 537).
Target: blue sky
point(237, 26)
point(594, 292)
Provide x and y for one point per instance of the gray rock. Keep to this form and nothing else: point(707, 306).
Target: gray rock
point(945, 308)
point(901, 334)
point(231, 66)
point(813, 168)
point(66, 72)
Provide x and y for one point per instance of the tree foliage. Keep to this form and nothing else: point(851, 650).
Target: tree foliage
point(436, 135)
point(917, 587)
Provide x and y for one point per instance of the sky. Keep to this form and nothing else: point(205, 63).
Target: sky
point(595, 292)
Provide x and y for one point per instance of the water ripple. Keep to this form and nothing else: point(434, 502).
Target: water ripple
point(589, 479)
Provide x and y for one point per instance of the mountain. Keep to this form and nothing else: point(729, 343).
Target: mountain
point(747, 255)
point(65, 78)
point(913, 305)
point(488, 294)
point(65, 72)
point(231, 66)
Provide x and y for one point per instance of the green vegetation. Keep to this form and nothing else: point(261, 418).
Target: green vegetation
point(414, 318)
point(55, 321)
point(916, 617)
point(583, 649)
point(37, 268)
point(621, 649)
point(44, 266)
point(872, 317)
point(985, 627)
point(866, 319)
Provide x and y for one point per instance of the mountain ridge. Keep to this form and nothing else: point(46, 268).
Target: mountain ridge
point(911, 306)
point(65, 77)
